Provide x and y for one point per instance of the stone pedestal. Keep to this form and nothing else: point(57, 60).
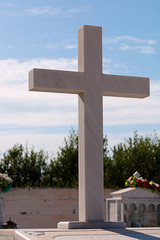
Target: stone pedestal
point(90, 225)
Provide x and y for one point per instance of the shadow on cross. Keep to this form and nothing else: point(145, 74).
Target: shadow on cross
point(134, 234)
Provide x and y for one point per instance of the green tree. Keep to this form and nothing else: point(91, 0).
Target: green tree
point(30, 168)
point(140, 154)
point(26, 168)
point(108, 164)
point(63, 170)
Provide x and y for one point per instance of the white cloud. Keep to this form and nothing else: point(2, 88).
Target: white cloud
point(43, 11)
point(47, 142)
point(5, 4)
point(47, 10)
point(128, 111)
point(60, 45)
point(71, 46)
point(141, 49)
point(117, 39)
point(146, 46)
point(13, 71)
point(107, 60)
point(117, 138)
point(118, 68)
point(9, 46)
point(54, 46)
point(19, 107)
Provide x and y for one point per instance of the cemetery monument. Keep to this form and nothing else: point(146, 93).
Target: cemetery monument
point(91, 85)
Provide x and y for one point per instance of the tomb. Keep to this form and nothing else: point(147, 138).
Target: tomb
point(137, 207)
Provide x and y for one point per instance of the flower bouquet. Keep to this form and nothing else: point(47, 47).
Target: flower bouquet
point(137, 181)
point(5, 183)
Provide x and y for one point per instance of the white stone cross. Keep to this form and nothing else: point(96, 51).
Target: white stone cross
point(91, 85)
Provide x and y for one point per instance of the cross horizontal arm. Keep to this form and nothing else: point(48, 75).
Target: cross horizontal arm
point(56, 81)
point(125, 86)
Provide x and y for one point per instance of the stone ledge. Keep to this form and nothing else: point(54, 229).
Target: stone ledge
point(91, 225)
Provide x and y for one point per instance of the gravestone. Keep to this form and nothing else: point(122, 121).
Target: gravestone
point(137, 207)
point(91, 85)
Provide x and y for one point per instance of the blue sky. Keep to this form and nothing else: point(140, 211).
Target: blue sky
point(43, 34)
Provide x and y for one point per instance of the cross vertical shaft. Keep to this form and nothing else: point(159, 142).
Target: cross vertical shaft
point(90, 126)
point(90, 161)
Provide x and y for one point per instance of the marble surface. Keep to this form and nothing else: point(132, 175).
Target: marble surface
point(7, 234)
point(135, 193)
point(91, 85)
point(91, 225)
point(97, 234)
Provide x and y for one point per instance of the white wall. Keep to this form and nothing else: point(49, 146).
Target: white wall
point(41, 207)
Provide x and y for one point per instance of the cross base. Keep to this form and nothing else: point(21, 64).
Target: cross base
point(90, 225)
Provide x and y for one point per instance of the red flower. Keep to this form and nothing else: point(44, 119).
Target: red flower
point(157, 188)
point(139, 183)
point(146, 183)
